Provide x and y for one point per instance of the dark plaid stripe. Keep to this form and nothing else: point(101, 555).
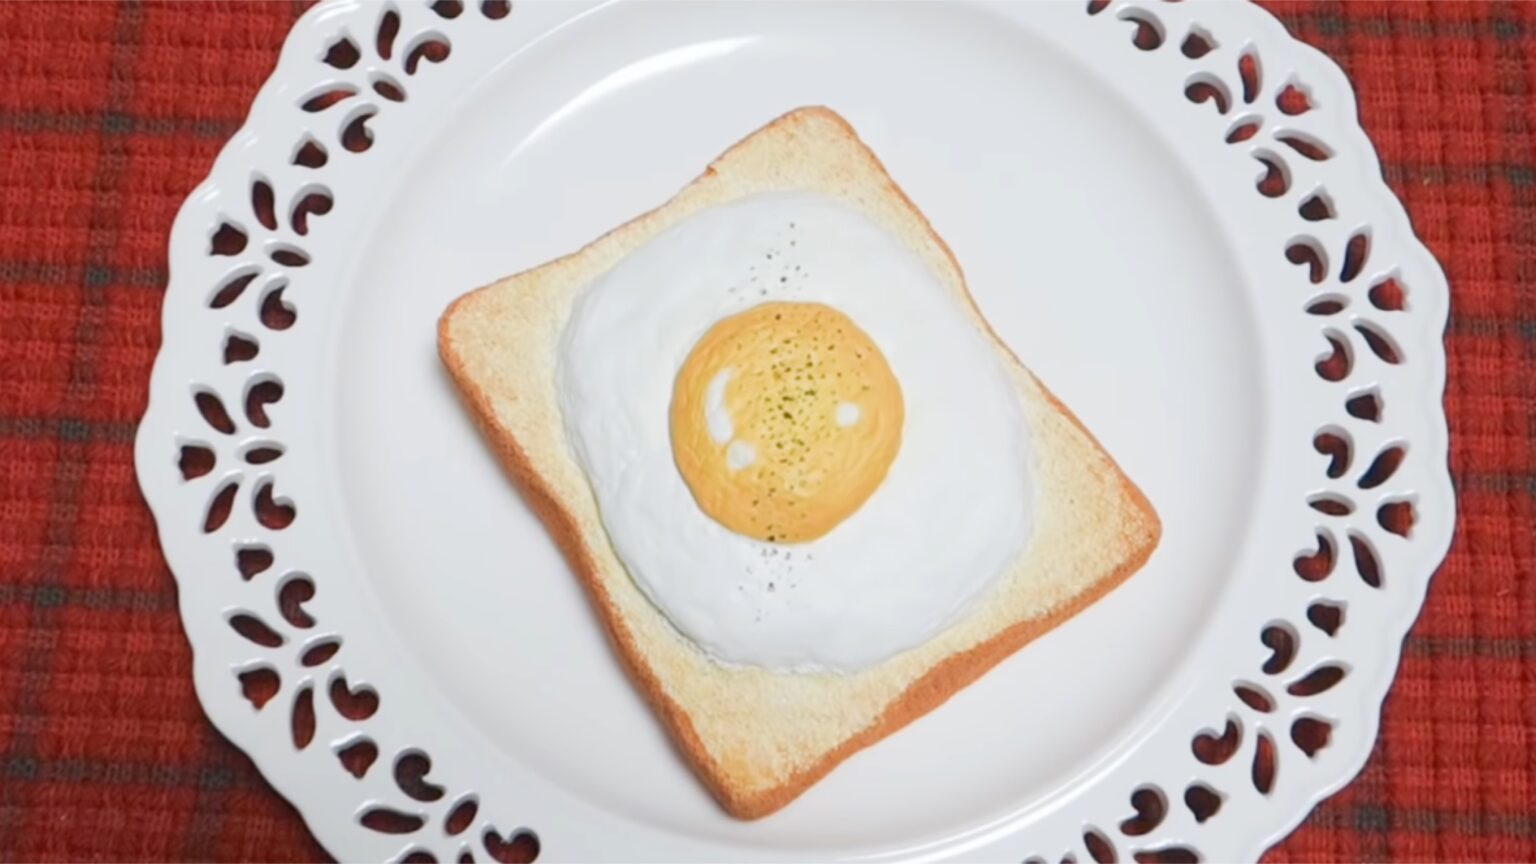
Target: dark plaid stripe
point(114, 123)
point(63, 505)
point(72, 273)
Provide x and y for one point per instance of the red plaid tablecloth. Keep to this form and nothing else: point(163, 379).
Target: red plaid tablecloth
point(110, 114)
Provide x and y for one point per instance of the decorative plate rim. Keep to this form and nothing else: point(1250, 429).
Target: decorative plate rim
point(1310, 681)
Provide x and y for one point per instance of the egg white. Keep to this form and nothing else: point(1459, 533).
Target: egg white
point(953, 511)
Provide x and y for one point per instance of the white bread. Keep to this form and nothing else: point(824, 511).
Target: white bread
point(755, 737)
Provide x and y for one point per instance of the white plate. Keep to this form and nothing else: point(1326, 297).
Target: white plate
point(1109, 232)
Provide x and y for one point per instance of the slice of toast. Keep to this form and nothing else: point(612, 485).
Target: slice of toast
point(758, 738)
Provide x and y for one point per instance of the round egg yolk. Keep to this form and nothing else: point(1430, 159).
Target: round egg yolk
point(784, 420)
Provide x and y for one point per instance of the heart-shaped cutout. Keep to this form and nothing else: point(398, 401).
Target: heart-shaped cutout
point(259, 685)
point(358, 703)
point(1150, 807)
point(358, 756)
point(1215, 751)
point(521, 848)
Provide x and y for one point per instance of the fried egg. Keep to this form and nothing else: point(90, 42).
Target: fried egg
point(802, 449)
point(784, 419)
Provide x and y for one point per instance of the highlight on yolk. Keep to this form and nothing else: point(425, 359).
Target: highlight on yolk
point(784, 419)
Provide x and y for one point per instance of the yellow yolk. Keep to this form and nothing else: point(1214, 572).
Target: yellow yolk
point(784, 420)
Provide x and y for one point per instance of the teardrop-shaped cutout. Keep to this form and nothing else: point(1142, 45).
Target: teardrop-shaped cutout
point(212, 409)
point(1382, 467)
point(1264, 764)
point(388, 87)
point(1319, 680)
point(1379, 342)
point(1099, 847)
point(320, 652)
point(264, 453)
point(327, 97)
point(1248, 70)
point(289, 256)
point(262, 199)
point(389, 28)
point(255, 630)
point(1167, 855)
point(230, 290)
point(1244, 129)
point(1327, 304)
point(1254, 696)
point(387, 820)
point(461, 816)
point(1356, 251)
point(220, 506)
point(448, 8)
point(1331, 504)
point(302, 721)
point(1367, 565)
point(499, 9)
point(1306, 145)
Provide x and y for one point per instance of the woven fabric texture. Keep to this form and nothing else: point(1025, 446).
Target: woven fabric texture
point(110, 114)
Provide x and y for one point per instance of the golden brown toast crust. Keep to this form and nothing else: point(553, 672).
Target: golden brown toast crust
point(925, 693)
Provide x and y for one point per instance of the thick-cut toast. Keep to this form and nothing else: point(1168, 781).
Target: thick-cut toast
point(758, 738)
